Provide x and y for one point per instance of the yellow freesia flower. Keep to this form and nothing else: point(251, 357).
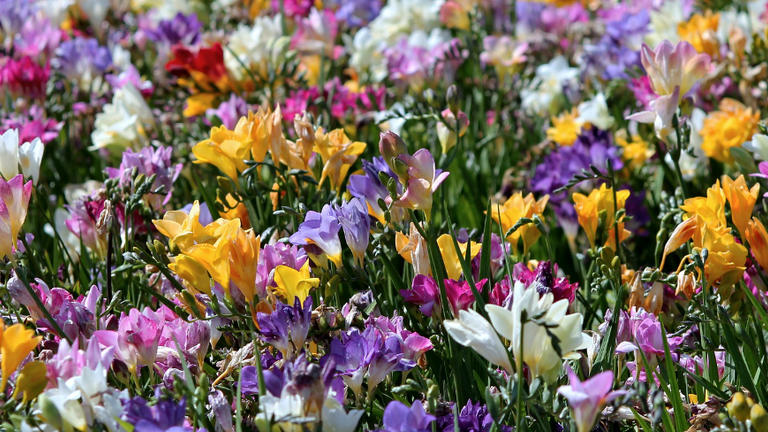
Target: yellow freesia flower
point(16, 342)
point(244, 257)
point(292, 283)
point(757, 237)
point(225, 149)
point(730, 127)
point(234, 209)
point(192, 272)
point(710, 208)
point(198, 104)
point(701, 32)
point(182, 229)
point(450, 258)
point(590, 210)
point(295, 154)
point(338, 153)
point(565, 128)
point(517, 207)
point(636, 152)
point(742, 200)
point(31, 381)
point(215, 257)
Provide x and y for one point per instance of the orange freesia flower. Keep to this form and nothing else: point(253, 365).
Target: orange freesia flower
point(338, 153)
point(757, 237)
point(590, 210)
point(517, 207)
point(244, 257)
point(741, 199)
point(16, 342)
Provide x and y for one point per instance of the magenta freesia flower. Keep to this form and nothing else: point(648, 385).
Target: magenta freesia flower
point(460, 295)
point(587, 398)
point(424, 292)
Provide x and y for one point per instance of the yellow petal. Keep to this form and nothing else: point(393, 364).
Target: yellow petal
point(31, 381)
point(17, 342)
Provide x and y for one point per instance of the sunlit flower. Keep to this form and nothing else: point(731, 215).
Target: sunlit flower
point(292, 283)
point(319, 234)
point(450, 256)
point(225, 149)
point(413, 249)
point(636, 151)
point(123, 122)
point(565, 128)
point(543, 317)
point(742, 200)
point(757, 237)
point(598, 209)
point(16, 342)
point(422, 181)
point(338, 153)
point(701, 32)
point(504, 54)
point(587, 398)
point(14, 199)
point(517, 207)
point(729, 127)
point(28, 156)
point(595, 112)
point(182, 228)
point(474, 331)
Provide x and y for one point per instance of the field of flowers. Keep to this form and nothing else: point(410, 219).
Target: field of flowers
point(370, 215)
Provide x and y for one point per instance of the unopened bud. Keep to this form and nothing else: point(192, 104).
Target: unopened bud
point(106, 218)
point(391, 146)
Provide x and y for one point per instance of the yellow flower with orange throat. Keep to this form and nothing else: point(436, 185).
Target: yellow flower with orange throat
point(701, 32)
point(16, 342)
point(727, 128)
point(565, 128)
point(413, 249)
point(704, 224)
point(597, 211)
point(757, 237)
point(518, 207)
point(742, 200)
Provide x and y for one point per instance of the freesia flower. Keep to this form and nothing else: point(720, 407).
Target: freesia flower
point(727, 128)
point(451, 257)
point(338, 153)
point(354, 220)
point(504, 54)
point(287, 326)
point(398, 417)
point(474, 331)
point(422, 181)
point(673, 71)
point(413, 249)
point(565, 128)
point(757, 237)
point(701, 32)
point(123, 122)
point(532, 335)
point(517, 207)
point(149, 161)
point(319, 234)
point(14, 199)
point(599, 206)
point(742, 200)
point(424, 292)
point(16, 342)
point(292, 283)
point(29, 156)
point(460, 295)
point(451, 128)
point(587, 398)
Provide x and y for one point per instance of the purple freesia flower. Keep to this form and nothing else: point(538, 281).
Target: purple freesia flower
point(587, 398)
point(181, 29)
point(424, 292)
point(319, 234)
point(230, 111)
point(369, 188)
point(353, 218)
point(357, 13)
point(82, 56)
point(473, 417)
point(286, 327)
point(272, 256)
point(543, 278)
point(149, 161)
point(398, 417)
point(594, 147)
point(166, 415)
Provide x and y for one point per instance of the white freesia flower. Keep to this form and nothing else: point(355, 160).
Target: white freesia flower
point(664, 22)
point(29, 156)
point(252, 46)
point(474, 331)
point(336, 419)
point(698, 160)
point(541, 96)
point(9, 153)
point(758, 146)
point(595, 112)
point(122, 123)
point(540, 311)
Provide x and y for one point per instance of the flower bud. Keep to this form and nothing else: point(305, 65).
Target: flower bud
point(391, 146)
point(738, 407)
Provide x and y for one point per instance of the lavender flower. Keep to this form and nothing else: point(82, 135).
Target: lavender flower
point(319, 234)
point(230, 111)
point(357, 13)
point(165, 415)
point(473, 417)
point(398, 417)
point(587, 398)
point(353, 218)
point(369, 188)
point(82, 56)
point(286, 327)
point(272, 256)
point(149, 161)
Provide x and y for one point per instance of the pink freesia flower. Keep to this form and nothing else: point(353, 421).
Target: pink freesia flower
point(672, 71)
point(587, 398)
point(69, 360)
point(315, 34)
point(424, 292)
point(136, 338)
point(422, 181)
point(763, 168)
point(460, 295)
point(14, 199)
point(25, 77)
